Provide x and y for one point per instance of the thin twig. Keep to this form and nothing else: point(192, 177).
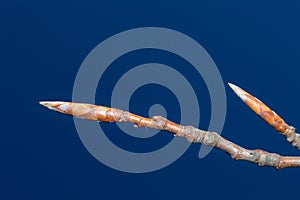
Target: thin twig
point(194, 135)
point(271, 117)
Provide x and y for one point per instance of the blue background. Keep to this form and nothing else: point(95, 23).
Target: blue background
point(43, 43)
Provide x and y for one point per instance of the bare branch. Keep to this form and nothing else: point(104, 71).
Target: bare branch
point(194, 135)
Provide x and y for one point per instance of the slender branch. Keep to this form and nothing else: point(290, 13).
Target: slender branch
point(272, 118)
point(194, 135)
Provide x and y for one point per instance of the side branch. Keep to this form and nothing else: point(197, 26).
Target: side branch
point(194, 135)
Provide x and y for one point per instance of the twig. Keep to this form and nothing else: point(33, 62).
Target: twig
point(194, 135)
point(272, 118)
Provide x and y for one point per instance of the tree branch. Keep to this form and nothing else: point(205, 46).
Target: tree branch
point(194, 135)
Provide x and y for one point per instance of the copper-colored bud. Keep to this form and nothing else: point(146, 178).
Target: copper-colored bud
point(263, 110)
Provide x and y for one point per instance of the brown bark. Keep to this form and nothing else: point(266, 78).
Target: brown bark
point(194, 135)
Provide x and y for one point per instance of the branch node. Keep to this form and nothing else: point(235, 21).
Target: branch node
point(159, 122)
point(207, 138)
